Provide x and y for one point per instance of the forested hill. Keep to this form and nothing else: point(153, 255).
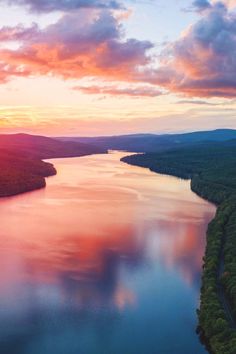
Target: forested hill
point(21, 165)
point(213, 162)
point(153, 142)
point(45, 148)
point(212, 169)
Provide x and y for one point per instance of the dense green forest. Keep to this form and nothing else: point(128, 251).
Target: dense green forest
point(212, 169)
point(21, 167)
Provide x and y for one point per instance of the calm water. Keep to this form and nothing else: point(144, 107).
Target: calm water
point(105, 260)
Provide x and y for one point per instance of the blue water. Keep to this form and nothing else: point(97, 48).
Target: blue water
point(105, 260)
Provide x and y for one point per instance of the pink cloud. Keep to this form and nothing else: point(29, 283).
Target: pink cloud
point(92, 43)
point(85, 43)
point(202, 62)
point(228, 3)
point(132, 91)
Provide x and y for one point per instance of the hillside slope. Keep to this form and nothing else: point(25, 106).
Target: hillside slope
point(21, 165)
point(155, 143)
point(45, 148)
point(212, 169)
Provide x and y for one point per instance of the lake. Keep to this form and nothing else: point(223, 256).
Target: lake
point(106, 260)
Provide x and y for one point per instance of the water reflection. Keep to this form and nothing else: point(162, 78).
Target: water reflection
point(96, 262)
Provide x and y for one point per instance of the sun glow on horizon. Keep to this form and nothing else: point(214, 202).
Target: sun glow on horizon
point(70, 70)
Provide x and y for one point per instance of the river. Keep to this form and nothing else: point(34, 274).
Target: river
point(105, 260)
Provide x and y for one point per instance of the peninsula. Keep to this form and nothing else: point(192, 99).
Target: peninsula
point(21, 166)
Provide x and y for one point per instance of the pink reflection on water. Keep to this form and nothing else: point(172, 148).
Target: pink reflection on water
point(94, 216)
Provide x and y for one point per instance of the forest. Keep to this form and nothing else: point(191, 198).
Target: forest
point(21, 166)
point(212, 170)
point(211, 166)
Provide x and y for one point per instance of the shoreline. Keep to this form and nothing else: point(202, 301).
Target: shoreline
point(22, 175)
point(213, 290)
point(214, 286)
point(16, 180)
point(22, 168)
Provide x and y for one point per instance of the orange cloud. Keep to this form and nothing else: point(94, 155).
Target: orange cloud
point(88, 43)
point(91, 43)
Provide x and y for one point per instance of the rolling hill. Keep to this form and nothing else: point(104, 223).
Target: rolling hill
point(21, 165)
point(154, 143)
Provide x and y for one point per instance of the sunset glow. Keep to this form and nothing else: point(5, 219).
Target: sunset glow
point(117, 176)
point(112, 67)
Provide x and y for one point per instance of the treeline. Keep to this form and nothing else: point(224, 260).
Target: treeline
point(212, 169)
point(21, 174)
point(215, 326)
point(229, 276)
point(21, 167)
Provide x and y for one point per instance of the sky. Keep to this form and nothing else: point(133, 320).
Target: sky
point(109, 67)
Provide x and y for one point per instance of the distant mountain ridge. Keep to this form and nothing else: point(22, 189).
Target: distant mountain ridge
point(21, 155)
point(154, 142)
point(44, 147)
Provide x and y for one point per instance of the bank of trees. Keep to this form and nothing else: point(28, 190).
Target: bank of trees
point(20, 174)
point(21, 165)
point(212, 169)
point(214, 324)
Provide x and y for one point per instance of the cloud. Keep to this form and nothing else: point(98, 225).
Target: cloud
point(80, 44)
point(200, 102)
point(132, 91)
point(228, 3)
point(18, 33)
point(201, 5)
point(63, 5)
point(202, 62)
point(92, 43)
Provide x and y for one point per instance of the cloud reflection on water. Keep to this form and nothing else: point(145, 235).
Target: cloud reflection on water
point(67, 251)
